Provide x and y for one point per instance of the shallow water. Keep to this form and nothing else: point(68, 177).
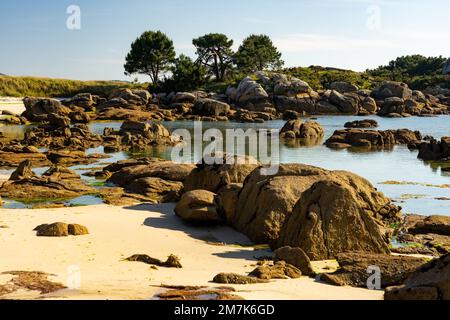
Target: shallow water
point(398, 164)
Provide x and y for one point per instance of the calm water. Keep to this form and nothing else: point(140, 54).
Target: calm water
point(398, 164)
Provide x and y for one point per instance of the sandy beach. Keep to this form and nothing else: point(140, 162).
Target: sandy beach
point(119, 232)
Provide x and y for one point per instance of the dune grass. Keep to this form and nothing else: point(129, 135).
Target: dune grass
point(48, 87)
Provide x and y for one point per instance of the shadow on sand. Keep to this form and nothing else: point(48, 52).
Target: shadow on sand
point(212, 233)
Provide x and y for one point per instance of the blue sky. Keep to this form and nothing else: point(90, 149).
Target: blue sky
point(353, 34)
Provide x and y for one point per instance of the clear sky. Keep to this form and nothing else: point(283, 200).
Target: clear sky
point(352, 34)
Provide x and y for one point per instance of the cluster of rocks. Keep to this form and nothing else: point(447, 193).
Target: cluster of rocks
point(136, 136)
point(363, 138)
point(58, 182)
point(286, 93)
point(260, 97)
point(431, 233)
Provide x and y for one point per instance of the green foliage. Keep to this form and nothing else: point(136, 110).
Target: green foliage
point(257, 52)
point(320, 78)
point(214, 52)
point(151, 54)
point(417, 71)
point(186, 76)
point(46, 87)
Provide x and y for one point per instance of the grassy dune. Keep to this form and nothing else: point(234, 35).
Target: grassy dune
point(47, 87)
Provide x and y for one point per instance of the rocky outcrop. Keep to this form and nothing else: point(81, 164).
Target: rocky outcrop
point(433, 224)
point(218, 171)
point(430, 282)
point(77, 137)
point(137, 136)
point(210, 107)
point(38, 109)
point(366, 123)
point(297, 129)
point(14, 155)
point(70, 158)
point(341, 213)
point(372, 138)
point(249, 95)
point(435, 150)
point(356, 268)
point(152, 179)
point(56, 183)
point(266, 201)
point(198, 206)
point(390, 89)
point(86, 101)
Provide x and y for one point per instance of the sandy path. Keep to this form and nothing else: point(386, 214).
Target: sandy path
point(116, 233)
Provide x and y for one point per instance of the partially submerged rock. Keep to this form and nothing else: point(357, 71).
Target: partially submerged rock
point(298, 129)
point(56, 183)
point(372, 138)
point(435, 150)
point(366, 123)
point(357, 267)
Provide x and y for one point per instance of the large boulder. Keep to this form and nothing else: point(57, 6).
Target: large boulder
point(356, 268)
point(284, 85)
point(250, 95)
point(341, 213)
point(296, 257)
point(156, 189)
point(430, 282)
point(85, 101)
point(225, 170)
point(38, 109)
point(343, 87)
point(156, 168)
point(266, 200)
point(210, 107)
point(391, 89)
point(348, 104)
point(198, 206)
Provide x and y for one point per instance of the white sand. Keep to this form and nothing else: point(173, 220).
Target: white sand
point(116, 233)
point(14, 105)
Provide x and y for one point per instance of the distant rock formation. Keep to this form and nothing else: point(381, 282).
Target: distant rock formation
point(447, 67)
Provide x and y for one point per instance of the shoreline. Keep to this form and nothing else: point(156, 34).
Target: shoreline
point(119, 232)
